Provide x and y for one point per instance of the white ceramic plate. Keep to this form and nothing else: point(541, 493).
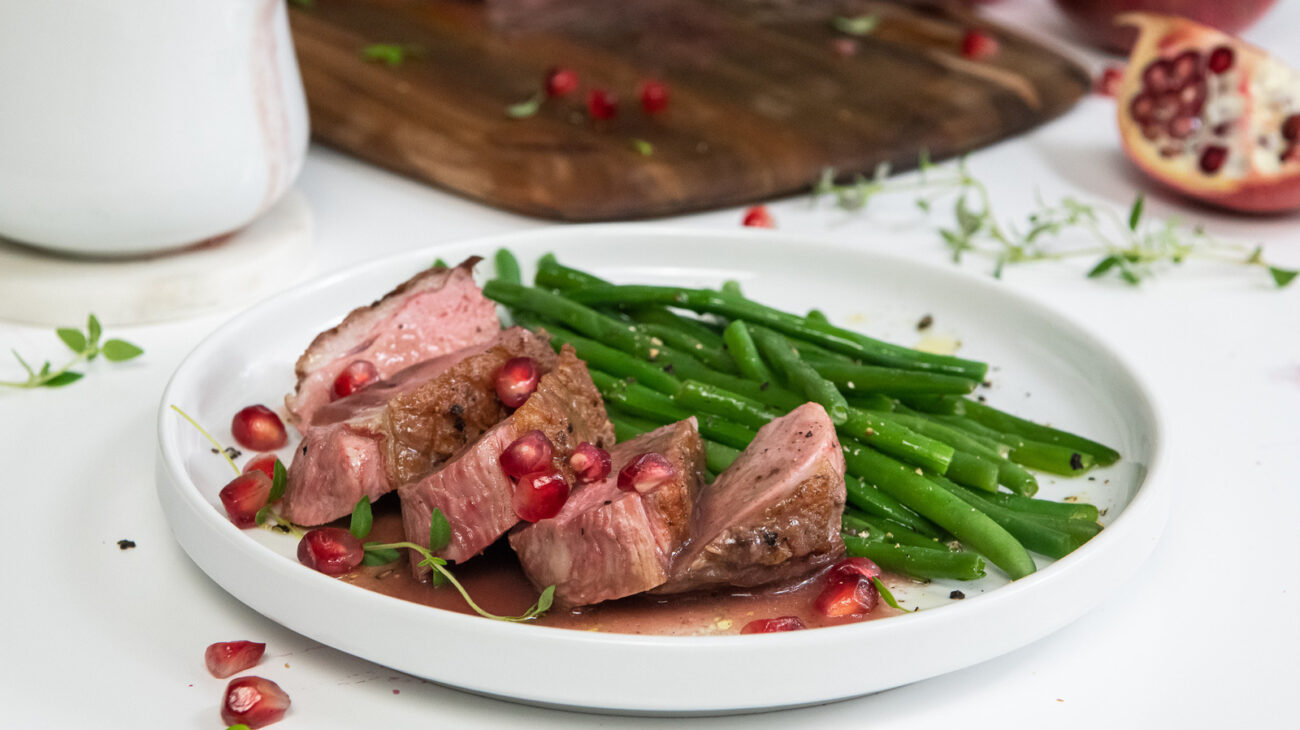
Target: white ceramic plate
point(1044, 367)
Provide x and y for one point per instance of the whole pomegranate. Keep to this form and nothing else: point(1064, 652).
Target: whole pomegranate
point(1096, 18)
point(1211, 116)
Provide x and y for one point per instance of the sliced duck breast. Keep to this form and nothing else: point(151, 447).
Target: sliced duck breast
point(436, 312)
point(608, 542)
point(774, 515)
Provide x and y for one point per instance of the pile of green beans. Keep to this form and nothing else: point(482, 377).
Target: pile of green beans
point(926, 465)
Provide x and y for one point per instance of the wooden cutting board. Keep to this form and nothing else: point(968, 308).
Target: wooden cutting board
point(765, 95)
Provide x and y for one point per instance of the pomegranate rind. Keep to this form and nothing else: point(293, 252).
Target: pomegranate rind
point(1160, 36)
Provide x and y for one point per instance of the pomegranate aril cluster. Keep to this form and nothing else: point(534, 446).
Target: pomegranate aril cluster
point(1187, 106)
point(540, 490)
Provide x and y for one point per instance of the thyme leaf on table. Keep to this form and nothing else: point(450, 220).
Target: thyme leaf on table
point(85, 347)
point(1131, 247)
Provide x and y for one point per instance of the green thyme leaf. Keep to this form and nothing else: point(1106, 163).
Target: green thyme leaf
point(93, 329)
point(278, 482)
point(1135, 213)
point(858, 25)
point(544, 601)
point(72, 338)
point(643, 148)
point(439, 531)
point(527, 107)
point(242, 726)
point(885, 594)
point(379, 556)
point(362, 519)
point(66, 377)
point(392, 54)
point(1282, 277)
point(262, 515)
point(1106, 264)
point(439, 263)
point(119, 350)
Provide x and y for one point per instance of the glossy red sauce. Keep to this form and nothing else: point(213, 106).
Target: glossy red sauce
point(498, 585)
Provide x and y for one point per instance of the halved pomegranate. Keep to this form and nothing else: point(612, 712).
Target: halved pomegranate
point(1096, 18)
point(1209, 115)
point(244, 495)
point(226, 658)
point(331, 550)
point(540, 495)
point(253, 701)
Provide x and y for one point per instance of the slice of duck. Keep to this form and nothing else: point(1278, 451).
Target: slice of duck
point(436, 312)
point(609, 543)
point(774, 515)
point(386, 435)
point(472, 490)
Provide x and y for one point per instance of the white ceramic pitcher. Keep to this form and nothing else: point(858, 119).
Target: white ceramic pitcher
point(134, 126)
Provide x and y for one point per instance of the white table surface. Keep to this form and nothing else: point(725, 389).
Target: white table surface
point(1205, 636)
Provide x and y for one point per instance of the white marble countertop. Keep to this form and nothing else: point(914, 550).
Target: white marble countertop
point(1206, 634)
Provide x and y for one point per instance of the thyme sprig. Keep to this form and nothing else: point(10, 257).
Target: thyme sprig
point(85, 347)
point(1129, 246)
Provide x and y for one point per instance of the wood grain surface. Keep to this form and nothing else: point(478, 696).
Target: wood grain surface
point(765, 95)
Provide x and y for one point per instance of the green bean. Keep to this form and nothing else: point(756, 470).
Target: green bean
point(732, 287)
point(972, 527)
point(970, 470)
point(875, 502)
point(800, 375)
point(704, 398)
point(604, 358)
point(686, 342)
point(1048, 536)
point(870, 402)
point(741, 346)
point(883, 528)
point(692, 327)
point(894, 381)
point(917, 561)
point(1052, 458)
point(584, 320)
point(826, 335)
point(646, 403)
point(896, 440)
point(1010, 474)
point(816, 315)
point(553, 275)
point(1009, 424)
point(1064, 510)
point(507, 267)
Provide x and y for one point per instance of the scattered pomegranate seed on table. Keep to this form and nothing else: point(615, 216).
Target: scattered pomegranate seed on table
point(561, 81)
point(227, 658)
point(253, 701)
point(330, 550)
point(646, 473)
point(590, 463)
point(978, 45)
point(357, 375)
point(244, 495)
point(773, 625)
point(758, 217)
point(264, 463)
point(654, 96)
point(1109, 80)
point(602, 104)
point(527, 454)
point(540, 495)
point(258, 428)
point(515, 380)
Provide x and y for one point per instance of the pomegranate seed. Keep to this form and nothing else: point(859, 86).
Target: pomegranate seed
point(1212, 159)
point(253, 701)
point(1221, 59)
point(854, 568)
point(590, 463)
point(845, 47)
point(527, 454)
point(758, 217)
point(602, 104)
point(243, 496)
point(654, 96)
point(847, 596)
point(646, 473)
point(1291, 128)
point(331, 550)
point(977, 45)
point(772, 625)
point(516, 380)
point(561, 82)
point(1155, 78)
point(232, 657)
point(1183, 67)
point(540, 495)
point(264, 463)
point(357, 375)
point(1109, 80)
point(258, 428)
